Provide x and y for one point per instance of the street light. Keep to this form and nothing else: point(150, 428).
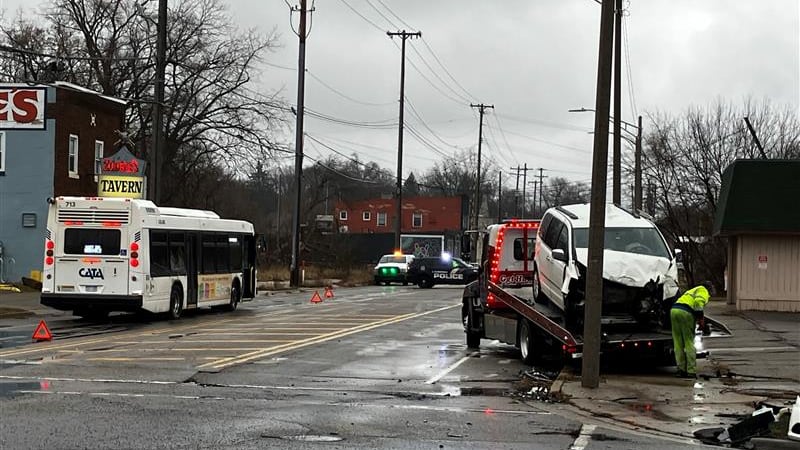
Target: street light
point(637, 169)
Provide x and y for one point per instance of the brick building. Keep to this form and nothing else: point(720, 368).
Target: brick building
point(52, 139)
point(444, 217)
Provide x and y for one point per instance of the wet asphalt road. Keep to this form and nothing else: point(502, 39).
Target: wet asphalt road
point(374, 367)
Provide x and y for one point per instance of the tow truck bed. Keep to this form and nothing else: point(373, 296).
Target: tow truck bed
point(617, 337)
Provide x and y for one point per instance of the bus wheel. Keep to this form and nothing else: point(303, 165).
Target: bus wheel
point(175, 303)
point(235, 297)
point(526, 342)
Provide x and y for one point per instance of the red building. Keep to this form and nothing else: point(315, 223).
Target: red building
point(420, 215)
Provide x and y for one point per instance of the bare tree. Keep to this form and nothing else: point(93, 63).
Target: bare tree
point(685, 157)
point(214, 118)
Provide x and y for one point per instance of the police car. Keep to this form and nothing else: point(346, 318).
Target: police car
point(392, 269)
point(427, 272)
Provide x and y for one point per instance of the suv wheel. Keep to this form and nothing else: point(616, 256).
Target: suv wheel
point(425, 282)
point(537, 287)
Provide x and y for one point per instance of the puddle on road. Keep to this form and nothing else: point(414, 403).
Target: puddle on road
point(14, 313)
point(307, 438)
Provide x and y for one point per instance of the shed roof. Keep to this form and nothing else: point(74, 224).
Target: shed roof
point(759, 196)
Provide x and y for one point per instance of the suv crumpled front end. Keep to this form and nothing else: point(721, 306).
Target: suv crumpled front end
point(635, 287)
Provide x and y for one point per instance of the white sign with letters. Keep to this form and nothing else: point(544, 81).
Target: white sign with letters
point(22, 107)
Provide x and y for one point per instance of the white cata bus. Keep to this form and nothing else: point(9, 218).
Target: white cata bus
point(111, 254)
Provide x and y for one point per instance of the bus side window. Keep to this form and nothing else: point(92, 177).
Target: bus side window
point(159, 254)
point(223, 254)
point(236, 253)
point(209, 249)
point(177, 253)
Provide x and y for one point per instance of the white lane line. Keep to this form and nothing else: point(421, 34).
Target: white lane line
point(750, 349)
point(450, 369)
point(582, 441)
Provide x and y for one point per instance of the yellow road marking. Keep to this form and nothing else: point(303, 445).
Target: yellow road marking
point(124, 359)
point(226, 362)
point(212, 341)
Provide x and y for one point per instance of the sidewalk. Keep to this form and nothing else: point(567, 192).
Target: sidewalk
point(758, 362)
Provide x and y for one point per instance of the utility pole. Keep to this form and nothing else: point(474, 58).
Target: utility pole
point(617, 183)
point(535, 184)
point(158, 107)
point(294, 276)
point(541, 185)
point(524, 183)
point(516, 192)
point(499, 196)
point(637, 170)
point(481, 110)
point(590, 377)
point(398, 225)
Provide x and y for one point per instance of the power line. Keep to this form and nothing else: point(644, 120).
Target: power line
point(631, 93)
point(343, 95)
point(9, 49)
point(416, 114)
point(542, 122)
point(438, 77)
point(374, 25)
point(395, 15)
point(431, 83)
point(503, 135)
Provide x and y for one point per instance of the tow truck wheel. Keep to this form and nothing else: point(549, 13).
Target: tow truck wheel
point(473, 339)
point(526, 342)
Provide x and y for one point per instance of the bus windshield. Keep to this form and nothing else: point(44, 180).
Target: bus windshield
point(92, 241)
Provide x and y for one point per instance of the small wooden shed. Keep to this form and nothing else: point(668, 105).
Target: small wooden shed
point(759, 212)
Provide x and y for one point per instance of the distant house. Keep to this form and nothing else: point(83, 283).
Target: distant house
point(759, 214)
point(429, 216)
point(52, 140)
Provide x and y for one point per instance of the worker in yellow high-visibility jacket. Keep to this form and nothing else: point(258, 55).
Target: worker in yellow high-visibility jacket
point(685, 314)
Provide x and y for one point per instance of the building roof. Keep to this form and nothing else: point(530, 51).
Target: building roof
point(759, 196)
point(75, 87)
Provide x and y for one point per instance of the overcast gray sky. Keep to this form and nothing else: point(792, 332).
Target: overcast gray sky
point(533, 60)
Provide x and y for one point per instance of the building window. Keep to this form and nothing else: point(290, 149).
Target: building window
point(366, 216)
point(72, 161)
point(99, 147)
point(29, 220)
point(381, 219)
point(416, 220)
point(342, 215)
point(2, 153)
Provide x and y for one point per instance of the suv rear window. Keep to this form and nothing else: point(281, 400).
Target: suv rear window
point(91, 241)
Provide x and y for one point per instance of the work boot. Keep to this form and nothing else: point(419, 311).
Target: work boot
point(680, 373)
point(689, 376)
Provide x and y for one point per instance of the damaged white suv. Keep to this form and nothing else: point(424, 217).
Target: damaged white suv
point(640, 271)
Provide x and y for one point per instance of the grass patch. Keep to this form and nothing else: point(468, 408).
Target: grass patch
point(349, 276)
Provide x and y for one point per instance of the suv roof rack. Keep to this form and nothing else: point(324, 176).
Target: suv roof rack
point(567, 212)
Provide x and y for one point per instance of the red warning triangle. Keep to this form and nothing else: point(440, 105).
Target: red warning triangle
point(42, 333)
point(328, 292)
point(316, 298)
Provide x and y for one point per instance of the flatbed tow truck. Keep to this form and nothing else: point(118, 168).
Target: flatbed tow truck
point(500, 305)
